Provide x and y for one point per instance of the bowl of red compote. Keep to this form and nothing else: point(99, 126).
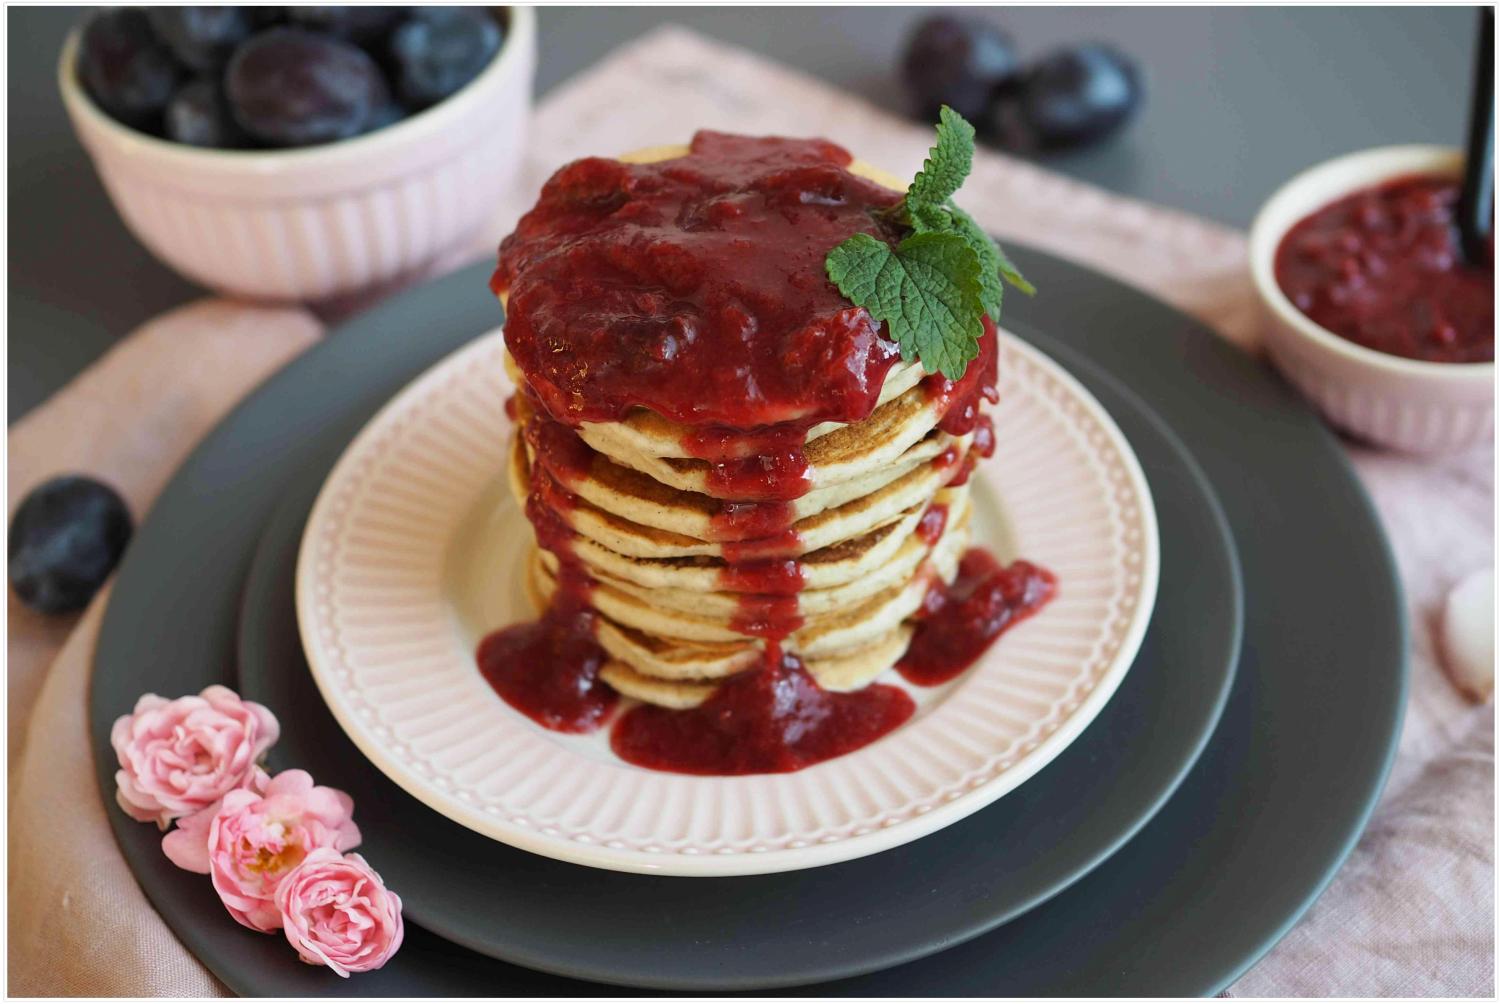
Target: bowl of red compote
point(1371, 308)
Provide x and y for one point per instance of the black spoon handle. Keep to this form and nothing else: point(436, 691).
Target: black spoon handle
point(1476, 200)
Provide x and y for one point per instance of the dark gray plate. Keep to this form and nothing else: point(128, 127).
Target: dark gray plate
point(798, 927)
point(1252, 835)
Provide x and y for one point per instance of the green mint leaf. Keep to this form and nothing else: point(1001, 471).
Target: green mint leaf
point(990, 290)
point(993, 265)
point(947, 164)
point(854, 265)
point(943, 311)
point(925, 219)
point(933, 290)
point(1011, 274)
point(926, 290)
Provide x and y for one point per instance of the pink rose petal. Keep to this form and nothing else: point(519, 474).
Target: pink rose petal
point(180, 757)
point(336, 912)
point(257, 835)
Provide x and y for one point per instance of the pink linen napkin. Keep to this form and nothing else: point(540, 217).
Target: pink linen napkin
point(80, 925)
point(1410, 914)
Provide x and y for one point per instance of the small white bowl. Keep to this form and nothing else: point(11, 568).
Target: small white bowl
point(1405, 404)
point(327, 220)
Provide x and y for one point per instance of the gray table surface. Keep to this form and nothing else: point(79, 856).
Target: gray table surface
point(1238, 100)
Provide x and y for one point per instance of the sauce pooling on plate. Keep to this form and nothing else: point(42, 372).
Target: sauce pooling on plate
point(695, 288)
point(959, 622)
point(1382, 268)
point(771, 720)
point(548, 669)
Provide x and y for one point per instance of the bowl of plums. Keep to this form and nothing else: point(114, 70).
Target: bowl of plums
point(301, 153)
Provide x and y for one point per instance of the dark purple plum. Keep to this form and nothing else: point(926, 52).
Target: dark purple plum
point(440, 49)
point(289, 87)
point(959, 62)
point(363, 25)
point(125, 68)
point(65, 540)
point(199, 116)
point(202, 38)
point(1077, 95)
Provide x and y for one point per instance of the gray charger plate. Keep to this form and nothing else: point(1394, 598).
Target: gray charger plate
point(798, 927)
point(1253, 834)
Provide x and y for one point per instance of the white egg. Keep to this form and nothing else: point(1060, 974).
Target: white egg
point(1469, 634)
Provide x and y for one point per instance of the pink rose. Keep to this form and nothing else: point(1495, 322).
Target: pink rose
point(257, 836)
point(337, 912)
point(186, 844)
point(178, 757)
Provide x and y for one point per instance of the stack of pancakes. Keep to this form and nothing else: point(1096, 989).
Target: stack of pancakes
point(670, 618)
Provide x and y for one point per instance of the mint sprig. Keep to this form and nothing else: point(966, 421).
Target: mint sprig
point(927, 290)
point(933, 288)
point(947, 164)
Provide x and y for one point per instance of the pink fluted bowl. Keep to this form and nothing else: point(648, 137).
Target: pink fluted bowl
point(1403, 404)
point(327, 220)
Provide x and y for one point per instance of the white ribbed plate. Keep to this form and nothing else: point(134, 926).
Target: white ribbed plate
point(414, 551)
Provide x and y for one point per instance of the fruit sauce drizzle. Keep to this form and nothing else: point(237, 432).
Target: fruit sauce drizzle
point(745, 220)
point(958, 622)
point(548, 669)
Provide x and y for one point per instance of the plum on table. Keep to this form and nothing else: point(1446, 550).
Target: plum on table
point(1078, 95)
point(66, 538)
point(962, 62)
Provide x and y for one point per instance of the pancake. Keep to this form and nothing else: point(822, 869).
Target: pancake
point(821, 569)
point(844, 454)
point(852, 519)
point(659, 537)
point(849, 671)
point(655, 634)
point(842, 655)
point(719, 600)
point(649, 434)
point(636, 496)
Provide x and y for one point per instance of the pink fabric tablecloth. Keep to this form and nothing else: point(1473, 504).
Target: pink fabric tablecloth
point(1411, 913)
